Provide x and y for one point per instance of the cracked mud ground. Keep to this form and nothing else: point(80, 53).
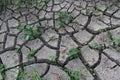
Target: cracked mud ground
point(95, 24)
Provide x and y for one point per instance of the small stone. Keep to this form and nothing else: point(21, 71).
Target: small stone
point(31, 69)
point(49, 15)
point(13, 23)
point(37, 44)
point(68, 42)
point(1, 22)
point(42, 14)
point(101, 39)
point(31, 18)
point(83, 36)
point(113, 54)
point(105, 70)
point(9, 58)
point(55, 73)
point(2, 37)
point(76, 65)
point(45, 53)
point(117, 14)
point(91, 56)
point(97, 23)
point(81, 19)
point(22, 20)
point(10, 41)
point(56, 8)
point(12, 74)
point(115, 33)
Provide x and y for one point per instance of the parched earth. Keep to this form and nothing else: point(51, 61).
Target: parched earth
point(78, 40)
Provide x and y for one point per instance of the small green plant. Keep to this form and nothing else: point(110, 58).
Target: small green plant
point(32, 76)
point(37, 32)
point(73, 53)
point(17, 49)
point(98, 46)
point(40, 4)
point(53, 38)
point(110, 6)
point(30, 32)
point(101, 15)
point(85, 43)
point(101, 30)
point(65, 18)
point(53, 58)
point(114, 42)
point(21, 75)
point(18, 3)
point(109, 35)
point(36, 75)
point(92, 71)
point(97, 8)
point(2, 68)
point(31, 54)
point(87, 11)
point(75, 75)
